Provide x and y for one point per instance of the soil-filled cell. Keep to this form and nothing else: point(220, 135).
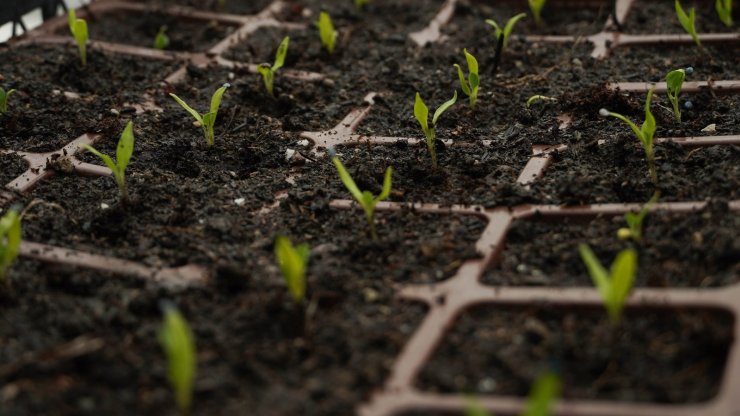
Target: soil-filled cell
point(659, 16)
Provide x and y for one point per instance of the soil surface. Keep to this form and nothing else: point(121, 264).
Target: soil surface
point(222, 207)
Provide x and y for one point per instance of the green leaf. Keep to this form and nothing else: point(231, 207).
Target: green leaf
point(161, 40)
point(386, 191)
point(326, 32)
point(267, 77)
point(674, 81)
point(463, 82)
point(71, 19)
point(598, 273)
point(4, 96)
point(541, 398)
point(347, 180)
point(178, 343)
point(105, 158)
point(510, 26)
point(10, 240)
point(421, 112)
point(472, 62)
point(216, 99)
point(724, 11)
point(125, 147)
point(497, 31)
point(442, 108)
point(536, 7)
point(623, 273)
point(649, 126)
point(282, 51)
point(80, 31)
point(474, 82)
point(688, 22)
point(292, 262)
point(187, 108)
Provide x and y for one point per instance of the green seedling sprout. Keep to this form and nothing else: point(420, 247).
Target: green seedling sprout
point(268, 72)
point(502, 35)
point(542, 396)
point(123, 155)
point(471, 84)
point(421, 112)
point(365, 198)
point(178, 343)
point(10, 241)
point(688, 21)
point(536, 7)
point(292, 261)
point(326, 32)
point(535, 98)
point(644, 134)
point(635, 221)
point(4, 95)
point(724, 11)
point(674, 83)
point(78, 28)
point(613, 286)
point(161, 41)
point(207, 120)
point(361, 3)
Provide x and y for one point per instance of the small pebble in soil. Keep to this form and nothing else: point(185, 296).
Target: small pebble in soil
point(688, 105)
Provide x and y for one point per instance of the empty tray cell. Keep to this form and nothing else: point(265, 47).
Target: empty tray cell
point(659, 356)
point(11, 166)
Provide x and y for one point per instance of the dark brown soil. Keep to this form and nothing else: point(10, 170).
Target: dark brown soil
point(11, 166)
point(227, 6)
point(646, 13)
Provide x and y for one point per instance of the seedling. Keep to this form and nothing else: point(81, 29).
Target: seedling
point(365, 198)
point(4, 95)
point(292, 261)
point(502, 35)
point(268, 72)
point(635, 220)
point(421, 112)
point(78, 28)
point(361, 3)
point(674, 83)
point(644, 134)
point(326, 32)
point(161, 41)
point(614, 286)
point(123, 155)
point(178, 343)
point(10, 241)
point(471, 84)
point(724, 11)
point(536, 7)
point(535, 98)
point(207, 120)
point(688, 21)
point(542, 396)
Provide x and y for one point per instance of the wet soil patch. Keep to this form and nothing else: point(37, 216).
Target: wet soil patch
point(11, 166)
point(671, 356)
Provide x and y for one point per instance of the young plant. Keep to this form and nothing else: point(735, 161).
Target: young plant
point(123, 155)
point(326, 32)
point(268, 72)
point(10, 241)
point(674, 83)
point(292, 261)
point(535, 98)
point(688, 21)
point(470, 85)
point(206, 120)
point(724, 11)
point(502, 35)
point(421, 112)
point(161, 41)
point(178, 343)
point(361, 3)
point(536, 7)
point(644, 134)
point(4, 95)
point(542, 396)
point(365, 198)
point(78, 28)
point(614, 286)
point(635, 220)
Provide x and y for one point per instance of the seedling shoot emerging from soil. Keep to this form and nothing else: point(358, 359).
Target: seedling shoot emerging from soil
point(179, 346)
point(471, 84)
point(365, 198)
point(613, 286)
point(535, 98)
point(361, 3)
point(268, 72)
point(123, 155)
point(674, 83)
point(724, 11)
point(536, 7)
point(10, 241)
point(161, 41)
point(505, 32)
point(78, 28)
point(635, 221)
point(644, 134)
point(421, 112)
point(292, 261)
point(326, 32)
point(542, 396)
point(688, 21)
point(207, 120)
point(4, 95)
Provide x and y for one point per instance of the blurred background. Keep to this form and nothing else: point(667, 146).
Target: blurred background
point(34, 19)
